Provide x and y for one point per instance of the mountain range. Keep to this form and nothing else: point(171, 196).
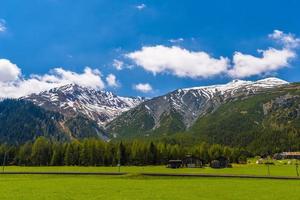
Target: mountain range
point(71, 100)
point(237, 113)
point(178, 110)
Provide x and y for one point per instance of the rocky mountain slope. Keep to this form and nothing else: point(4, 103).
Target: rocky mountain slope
point(178, 111)
point(71, 100)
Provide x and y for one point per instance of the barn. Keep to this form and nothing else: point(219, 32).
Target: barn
point(192, 162)
point(221, 162)
point(174, 164)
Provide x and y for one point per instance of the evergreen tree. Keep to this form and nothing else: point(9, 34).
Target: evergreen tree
point(122, 154)
point(152, 154)
point(41, 152)
point(57, 155)
point(72, 155)
point(24, 154)
point(215, 151)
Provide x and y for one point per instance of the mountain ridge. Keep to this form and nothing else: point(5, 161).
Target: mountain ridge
point(69, 100)
point(187, 103)
point(191, 111)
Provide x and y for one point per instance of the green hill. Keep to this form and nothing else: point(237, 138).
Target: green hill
point(263, 122)
point(268, 120)
point(21, 121)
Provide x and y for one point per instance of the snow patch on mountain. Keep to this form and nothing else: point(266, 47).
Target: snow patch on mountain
point(193, 102)
point(72, 99)
point(234, 85)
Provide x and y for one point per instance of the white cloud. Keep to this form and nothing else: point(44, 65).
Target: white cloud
point(272, 59)
point(245, 65)
point(178, 40)
point(178, 61)
point(8, 71)
point(118, 64)
point(143, 87)
point(184, 63)
point(141, 6)
point(288, 40)
point(89, 77)
point(2, 25)
point(112, 80)
point(16, 86)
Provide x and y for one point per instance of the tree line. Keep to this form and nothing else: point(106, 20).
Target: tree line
point(95, 152)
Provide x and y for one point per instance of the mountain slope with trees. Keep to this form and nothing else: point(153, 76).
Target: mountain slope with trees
point(269, 121)
point(263, 122)
point(180, 109)
point(261, 116)
point(22, 121)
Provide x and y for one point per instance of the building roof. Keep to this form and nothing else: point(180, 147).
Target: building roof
point(290, 153)
point(175, 161)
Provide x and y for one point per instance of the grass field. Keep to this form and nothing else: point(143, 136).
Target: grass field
point(138, 187)
point(134, 186)
point(249, 169)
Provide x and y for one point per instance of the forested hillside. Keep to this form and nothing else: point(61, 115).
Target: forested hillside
point(263, 120)
point(178, 111)
point(266, 122)
point(22, 121)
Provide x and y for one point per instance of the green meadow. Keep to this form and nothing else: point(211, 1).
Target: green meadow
point(237, 169)
point(131, 187)
point(135, 186)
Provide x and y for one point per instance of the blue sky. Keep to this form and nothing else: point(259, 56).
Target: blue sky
point(152, 40)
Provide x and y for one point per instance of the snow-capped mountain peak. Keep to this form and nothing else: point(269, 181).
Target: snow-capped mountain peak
point(196, 101)
point(237, 84)
point(72, 99)
point(189, 104)
point(272, 81)
point(104, 106)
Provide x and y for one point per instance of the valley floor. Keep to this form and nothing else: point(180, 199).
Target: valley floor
point(237, 169)
point(134, 187)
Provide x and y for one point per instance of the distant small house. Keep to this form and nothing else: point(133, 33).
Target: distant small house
point(192, 162)
point(287, 155)
point(277, 156)
point(174, 164)
point(221, 162)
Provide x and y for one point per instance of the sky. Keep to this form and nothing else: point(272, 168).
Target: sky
point(145, 48)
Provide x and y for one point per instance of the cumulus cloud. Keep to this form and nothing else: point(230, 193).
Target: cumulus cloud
point(143, 87)
point(8, 71)
point(2, 25)
point(141, 6)
point(271, 60)
point(17, 86)
point(288, 40)
point(118, 64)
point(178, 61)
point(112, 80)
point(184, 63)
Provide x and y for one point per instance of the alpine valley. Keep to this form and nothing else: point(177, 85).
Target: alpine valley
point(239, 113)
